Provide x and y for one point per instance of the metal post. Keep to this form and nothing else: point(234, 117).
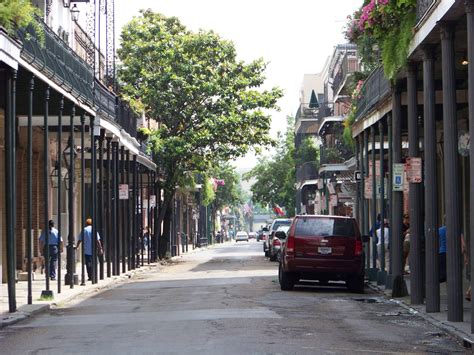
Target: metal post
point(156, 227)
point(373, 271)
point(59, 163)
point(101, 215)
point(123, 243)
point(416, 278)
point(29, 193)
point(431, 183)
point(140, 228)
point(148, 189)
point(399, 288)
point(47, 292)
point(382, 275)
point(469, 4)
point(366, 203)
point(129, 211)
point(356, 213)
point(13, 159)
point(108, 233)
point(93, 199)
point(389, 279)
point(134, 213)
point(71, 253)
point(114, 239)
point(83, 198)
point(9, 203)
point(451, 172)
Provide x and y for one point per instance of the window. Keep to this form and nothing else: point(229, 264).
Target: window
point(323, 227)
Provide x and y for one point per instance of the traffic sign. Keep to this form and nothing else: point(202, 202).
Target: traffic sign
point(413, 168)
point(397, 183)
point(123, 192)
point(357, 175)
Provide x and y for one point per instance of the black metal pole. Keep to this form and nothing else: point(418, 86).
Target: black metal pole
point(9, 204)
point(13, 160)
point(114, 237)
point(83, 198)
point(366, 202)
point(29, 192)
point(470, 55)
point(373, 272)
point(46, 189)
point(431, 183)
point(382, 275)
point(109, 213)
point(71, 257)
point(140, 230)
point(59, 163)
point(93, 199)
point(356, 213)
point(156, 227)
point(123, 243)
point(101, 215)
point(148, 189)
point(134, 213)
point(399, 288)
point(451, 173)
point(389, 280)
point(129, 211)
point(416, 277)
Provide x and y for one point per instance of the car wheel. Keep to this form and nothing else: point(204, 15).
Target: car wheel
point(286, 279)
point(356, 283)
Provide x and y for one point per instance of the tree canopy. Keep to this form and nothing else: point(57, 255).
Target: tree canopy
point(209, 104)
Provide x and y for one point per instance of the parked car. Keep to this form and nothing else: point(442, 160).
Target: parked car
point(241, 236)
point(274, 226)
point(263, 235)
point(252, 235)
point(278, 238)
point(323, 248)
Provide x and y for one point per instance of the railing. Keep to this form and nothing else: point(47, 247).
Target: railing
point(104, 100)
point(55, 59)
point(126, 118)
point(349, 65)
point(307, 171)
point(317, 113)
point(375, 88)
point(422, 7)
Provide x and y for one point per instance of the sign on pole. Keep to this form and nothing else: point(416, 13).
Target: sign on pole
point(397, 183)
point(413, 167)
point(368, 188)
point(153, 201)
point(357, 176)
point(123, 191)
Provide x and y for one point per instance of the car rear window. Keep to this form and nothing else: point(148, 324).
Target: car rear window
point(307, 227)
point(278, 224)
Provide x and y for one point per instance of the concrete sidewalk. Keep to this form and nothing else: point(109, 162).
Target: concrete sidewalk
point(460, 330)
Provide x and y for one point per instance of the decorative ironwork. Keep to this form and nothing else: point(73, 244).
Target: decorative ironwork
point(110, 44)
point(324, 110)
point(104, 100)
point(422, 7)
point(349, 65)
point(375, 89)
point(307, 171)
point(57, 61)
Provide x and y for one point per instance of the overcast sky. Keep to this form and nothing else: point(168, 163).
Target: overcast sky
point(295, 37)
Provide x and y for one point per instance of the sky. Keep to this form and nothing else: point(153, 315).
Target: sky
point(295, 37)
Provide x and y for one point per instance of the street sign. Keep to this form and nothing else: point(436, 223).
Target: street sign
point(368, 188)
point(377, 168)
point(123, 191)
point(397, 183)
point(413, 168)
point(357, 175)
point(153, 201)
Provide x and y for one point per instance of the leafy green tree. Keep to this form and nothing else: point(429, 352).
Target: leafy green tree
point(208, 103)
point(275, 177)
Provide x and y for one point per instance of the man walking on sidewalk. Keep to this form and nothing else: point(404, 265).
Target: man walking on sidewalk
point(55, 245)
point(86, 236)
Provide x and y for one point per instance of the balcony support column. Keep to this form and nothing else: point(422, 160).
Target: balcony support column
point(114, 235)
point(59, 166)
point(451, 171)
point(389, 279)
point(29, 191)
point(100, 213)
point(83, 198)
point(95, 222)
point(123, 240)
point(108, 216)
point(470, 55)
point(373, 173)
point(399, 288)
point(382, 274)
point(431, 183)
point(356, 213)
point(134, 213)
point(365, 164)
point(416, 268)
point(129, 211)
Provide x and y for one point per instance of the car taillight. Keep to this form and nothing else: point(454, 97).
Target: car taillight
point(276, 242)
point(290, 244)
point(358, 247)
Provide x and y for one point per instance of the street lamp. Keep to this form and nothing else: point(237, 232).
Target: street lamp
point(55, 175)
point(75, 13)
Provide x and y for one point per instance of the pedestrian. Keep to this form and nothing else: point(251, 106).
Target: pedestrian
point(406, 240)
point(86, 235)
point(379, 244)
point(442, 254)
point(146, 237)
point(55, 245)
point(375, 227)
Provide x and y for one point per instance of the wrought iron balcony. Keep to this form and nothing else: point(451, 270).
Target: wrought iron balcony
point(422, 7)
point(126, 118)
point(55, 59)
point(375, 89)
point(317, 113)
point(104, 100)
point(349, 65)
point(307, 171)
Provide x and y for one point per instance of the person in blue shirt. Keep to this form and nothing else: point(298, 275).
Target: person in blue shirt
point(442, 253)
point(55, 244)
point(86, 237)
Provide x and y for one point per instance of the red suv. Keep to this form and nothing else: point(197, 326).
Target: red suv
point(323, 248)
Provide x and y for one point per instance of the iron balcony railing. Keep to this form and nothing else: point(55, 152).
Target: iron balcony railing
point(375, 89)
point(104, 100)
point(317, 113)
point(422, 7)
point(55, 59)
point(349, 65)
point(126, 118)
point(307, 171)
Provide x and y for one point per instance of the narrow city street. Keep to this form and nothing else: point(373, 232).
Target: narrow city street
point(224, 300)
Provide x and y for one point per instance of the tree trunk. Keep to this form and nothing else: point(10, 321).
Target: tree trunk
point(164, 242)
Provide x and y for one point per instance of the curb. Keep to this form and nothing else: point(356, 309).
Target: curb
point(463, 338)
point(23, 312)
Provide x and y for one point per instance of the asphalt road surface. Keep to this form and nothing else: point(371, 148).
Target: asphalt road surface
point(225, 300)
